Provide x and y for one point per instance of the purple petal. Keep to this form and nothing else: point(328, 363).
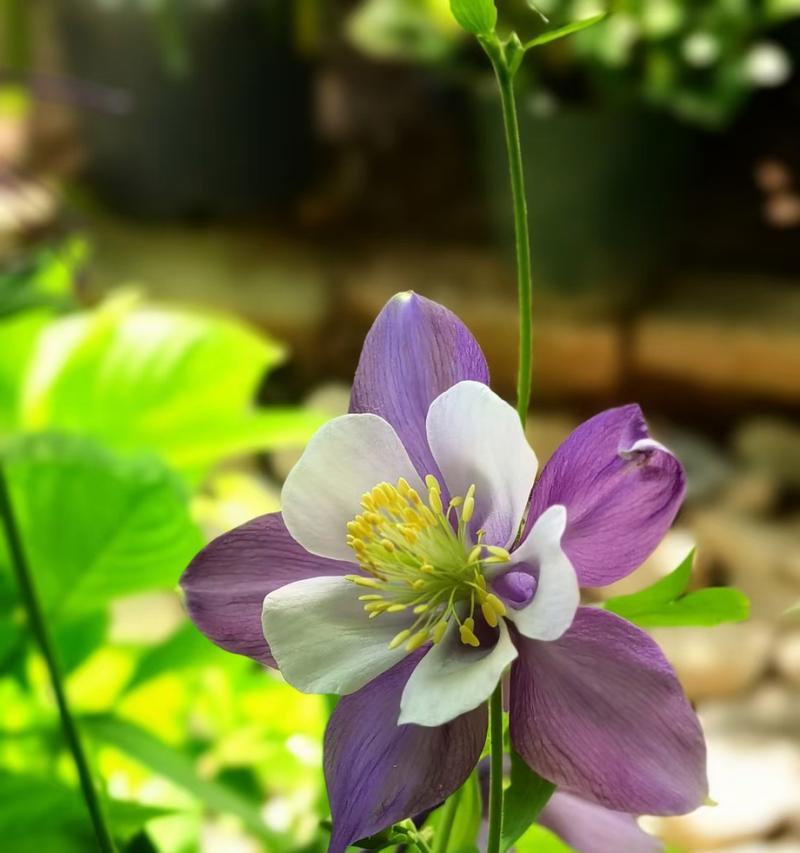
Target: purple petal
point(601, 713)
point(589, 828)
point(621, 489)
point(378, 773)
point(415, 350)
point(227, 581)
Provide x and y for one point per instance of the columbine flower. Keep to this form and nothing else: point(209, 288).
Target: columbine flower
point(415, 561)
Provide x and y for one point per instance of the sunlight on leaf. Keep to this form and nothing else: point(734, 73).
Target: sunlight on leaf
point(180, 383)
point(97, 527)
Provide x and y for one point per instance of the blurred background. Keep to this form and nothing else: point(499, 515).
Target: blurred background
point(203, 206)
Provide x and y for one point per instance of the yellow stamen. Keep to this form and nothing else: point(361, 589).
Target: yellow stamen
point(419, 639)
point(399, 639)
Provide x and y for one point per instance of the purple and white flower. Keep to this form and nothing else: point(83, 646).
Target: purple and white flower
point(417, 559)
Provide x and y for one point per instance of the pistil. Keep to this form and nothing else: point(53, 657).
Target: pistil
point(419, 557)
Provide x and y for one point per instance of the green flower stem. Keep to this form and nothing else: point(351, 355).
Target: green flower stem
point(506, 58)
point(505, 61)
point(40, 630)
point(496, 768)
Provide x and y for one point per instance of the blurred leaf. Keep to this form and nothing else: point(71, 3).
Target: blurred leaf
point(478, 17)
point(524, 800)
point(186, 647)
point(562, 32)
point(468, 816)
point(43, 814)
point(666, 602)
point(77, 638)
point(95, 526)
point(162, 759)
point(44, 279)
point(17, 341)
point(180, 383)
point(540, 840)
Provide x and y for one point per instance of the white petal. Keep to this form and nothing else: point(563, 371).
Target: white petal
point(476, 437)
point(557, 596)
point(323, 641)
point(453, 679)
point(348, 456)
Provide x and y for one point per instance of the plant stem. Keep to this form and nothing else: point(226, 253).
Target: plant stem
point(496, 770)
point(41, 632)
point(505, 80)
point(446, 827)
point(421, 845)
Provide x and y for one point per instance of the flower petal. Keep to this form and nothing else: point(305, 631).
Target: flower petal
point(348, 456)
point(453, 679)
point(477, 438)
point(379, 772)
point(557, 595)
point(415, 350)
point(601, 713)
point(226, 582)
point(589, 828)
point(621, 489)
point(323, 640)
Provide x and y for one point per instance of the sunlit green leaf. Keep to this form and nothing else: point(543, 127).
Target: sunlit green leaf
point(46, 812)
point(95, 526)
point(165, 761)
point(666, 602)
point(478, 17)
point(540, 840)
point(524, 800)
point(44, 279)
point(562, 32)
point(179, 383)
point(18, 336)
point(186, 647)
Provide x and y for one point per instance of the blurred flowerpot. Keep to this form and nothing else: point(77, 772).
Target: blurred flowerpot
point(218, 115)
point(604, 192)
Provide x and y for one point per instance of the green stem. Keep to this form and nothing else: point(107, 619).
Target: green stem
point(505, 80)
point(421, 845)
point(41, 632)
point(446, 827)
point(496, 770)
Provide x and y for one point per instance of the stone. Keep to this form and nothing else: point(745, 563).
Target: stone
point(771, 709)
point(722, 661)
point(723, 336)
point(770, 446)
point(755, 782)
point(758, 556)
point(576, 353)
point(787, 658)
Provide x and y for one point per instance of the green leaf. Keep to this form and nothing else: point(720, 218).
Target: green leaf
point(179, 383)
point(468, 815)
point(568, 30)
point(165, 761)
point(44, 814)
point(18, 336)
point(707, 607)
point(478, 17)
point(666, 602)
point(186, 647)
point(524, 800)
point(540, 840)
point(44, 280)
point(96, 526)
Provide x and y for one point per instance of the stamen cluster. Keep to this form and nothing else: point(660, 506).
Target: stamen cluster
point(420, 558)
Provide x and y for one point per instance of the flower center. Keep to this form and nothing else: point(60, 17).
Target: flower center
point(420, 558)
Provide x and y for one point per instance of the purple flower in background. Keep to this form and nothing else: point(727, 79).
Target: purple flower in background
point(415, 561)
